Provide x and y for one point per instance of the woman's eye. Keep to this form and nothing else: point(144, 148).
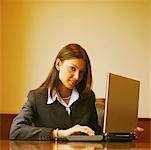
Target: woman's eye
point(72, 68)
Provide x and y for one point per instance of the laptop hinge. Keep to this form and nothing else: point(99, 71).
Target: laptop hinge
point(119, 137)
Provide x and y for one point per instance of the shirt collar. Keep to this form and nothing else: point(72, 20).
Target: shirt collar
point(55, 96)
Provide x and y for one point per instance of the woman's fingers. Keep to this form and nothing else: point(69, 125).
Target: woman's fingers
point(87, 130)
point(138, 131)
point(84, 129)
point(76, 130)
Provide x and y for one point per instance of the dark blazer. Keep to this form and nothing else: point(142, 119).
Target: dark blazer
point(47, 117)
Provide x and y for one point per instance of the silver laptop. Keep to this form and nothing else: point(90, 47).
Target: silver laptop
point(121, 105)
point(121, 109)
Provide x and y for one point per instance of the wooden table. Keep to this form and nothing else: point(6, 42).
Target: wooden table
point(50, 145)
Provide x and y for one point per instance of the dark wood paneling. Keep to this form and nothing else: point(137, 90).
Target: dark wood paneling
point(5, 123)
point(6, 120)
point(145, 136)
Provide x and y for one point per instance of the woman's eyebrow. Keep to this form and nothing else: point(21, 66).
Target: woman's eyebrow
point(77, 67)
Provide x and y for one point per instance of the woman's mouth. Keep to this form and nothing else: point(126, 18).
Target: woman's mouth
point(73, 83)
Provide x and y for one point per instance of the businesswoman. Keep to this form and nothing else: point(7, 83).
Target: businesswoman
point(64, 104)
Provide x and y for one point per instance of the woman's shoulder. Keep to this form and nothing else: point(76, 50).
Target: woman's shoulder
point(90, 93)
point(37, 97)
point(38, 91)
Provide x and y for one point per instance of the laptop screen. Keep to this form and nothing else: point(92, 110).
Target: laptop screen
point(121, 105)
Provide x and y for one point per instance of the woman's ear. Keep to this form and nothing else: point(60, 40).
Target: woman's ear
point(58, 63)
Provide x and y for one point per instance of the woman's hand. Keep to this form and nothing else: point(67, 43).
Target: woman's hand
point(75, 130)
point(137, 131)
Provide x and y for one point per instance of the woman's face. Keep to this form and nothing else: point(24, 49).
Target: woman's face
point(71, 71)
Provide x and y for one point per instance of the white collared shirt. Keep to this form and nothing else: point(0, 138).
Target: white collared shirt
point(74, 97)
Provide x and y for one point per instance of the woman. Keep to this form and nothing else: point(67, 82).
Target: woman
point(64, 104)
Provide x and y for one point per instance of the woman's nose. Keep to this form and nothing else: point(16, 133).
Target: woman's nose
point(76, 75)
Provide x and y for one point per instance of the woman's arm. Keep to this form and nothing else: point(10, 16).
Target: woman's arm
point(22, 129)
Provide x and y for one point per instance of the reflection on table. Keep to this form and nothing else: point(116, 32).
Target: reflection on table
point(50, 145)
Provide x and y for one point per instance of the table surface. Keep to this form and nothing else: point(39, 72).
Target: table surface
point(51, 145)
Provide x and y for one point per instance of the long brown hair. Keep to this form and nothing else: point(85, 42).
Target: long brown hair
point(68, 52)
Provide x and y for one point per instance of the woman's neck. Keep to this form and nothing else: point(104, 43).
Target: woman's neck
point(64, 92)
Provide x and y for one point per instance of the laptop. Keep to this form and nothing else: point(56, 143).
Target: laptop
point(121, 109)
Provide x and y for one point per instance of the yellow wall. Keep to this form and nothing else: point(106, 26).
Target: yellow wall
point(114, 33)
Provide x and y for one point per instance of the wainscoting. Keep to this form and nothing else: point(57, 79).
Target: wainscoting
point(5, 123)
point(6, 119)
point(146, 124)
